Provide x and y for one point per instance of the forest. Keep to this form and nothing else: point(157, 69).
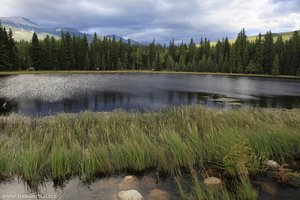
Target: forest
point(262, 56)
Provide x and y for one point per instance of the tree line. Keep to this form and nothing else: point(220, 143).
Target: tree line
point(262, 56)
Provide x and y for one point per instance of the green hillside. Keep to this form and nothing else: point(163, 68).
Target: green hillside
point(285, 36)
point(21, 34)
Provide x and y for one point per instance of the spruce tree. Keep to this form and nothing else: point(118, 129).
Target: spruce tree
point(36, 53)
point(87, 63)
point(268, 52)
point(259, 54)
point(12, 51)
point(275, 66)
point(4, 55)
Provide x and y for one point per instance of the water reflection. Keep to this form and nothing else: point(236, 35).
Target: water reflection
point(32, 95)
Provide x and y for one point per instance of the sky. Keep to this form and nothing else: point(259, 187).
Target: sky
point(162, 20)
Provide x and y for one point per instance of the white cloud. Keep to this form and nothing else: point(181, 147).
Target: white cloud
point(161, 19)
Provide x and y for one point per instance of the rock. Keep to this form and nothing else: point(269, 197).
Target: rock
point(158, 194)
point(128, 195)
point(129, 182)
point(271, 164)
point(212, 181)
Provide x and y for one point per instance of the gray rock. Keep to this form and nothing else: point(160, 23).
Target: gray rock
point(271, 164)
point(128, 195)
point(212, 181)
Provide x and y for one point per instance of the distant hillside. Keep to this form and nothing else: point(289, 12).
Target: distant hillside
point(23, 29)
point(285, 36)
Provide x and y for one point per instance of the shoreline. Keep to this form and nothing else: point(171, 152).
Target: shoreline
point(54, 72)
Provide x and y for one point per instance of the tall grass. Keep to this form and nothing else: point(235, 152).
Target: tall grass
point(92, 144)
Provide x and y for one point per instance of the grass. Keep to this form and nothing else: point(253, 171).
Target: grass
point(89, 145)
point(54, 72)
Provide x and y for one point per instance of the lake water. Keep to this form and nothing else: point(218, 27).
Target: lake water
point(49, 94)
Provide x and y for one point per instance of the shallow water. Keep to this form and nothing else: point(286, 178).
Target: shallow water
point(105, 188)
point(101, 189)
point(50, 94)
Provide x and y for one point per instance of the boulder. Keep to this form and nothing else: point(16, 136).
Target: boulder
point(158, 194)
point(271, 164)
point(212, 181)
point(128, 195)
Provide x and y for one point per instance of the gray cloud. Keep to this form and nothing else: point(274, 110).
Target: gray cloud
point(162, 19)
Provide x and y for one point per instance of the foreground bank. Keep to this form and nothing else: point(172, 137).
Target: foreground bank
point(187, 140)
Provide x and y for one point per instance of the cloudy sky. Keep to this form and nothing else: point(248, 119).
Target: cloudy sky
point(163, 20)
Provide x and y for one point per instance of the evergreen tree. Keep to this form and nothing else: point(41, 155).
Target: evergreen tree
point(279, 50)
point(36, 53)
point(170, 64)
point(4, 55)
point(24, 59)
point(12, 51)
point(241, 51)
point(259, 54)
point(294, 53)
point(87, 63)
point(268, 52)
point(251, 68)
point(275, 66)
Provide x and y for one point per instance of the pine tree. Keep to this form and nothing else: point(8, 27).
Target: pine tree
point(275, 66)
point(294, 53)
point(24, 59)
point(87, 63)
point(12, 51)
point(259, 54)
point(94, 51)
point(54, 63)
point(170, 64)
point(36, 53)
point(232, 59)
point(4, 56)
point(268, 52)
point(241, 52)
point(279, 50)
point(47, 53)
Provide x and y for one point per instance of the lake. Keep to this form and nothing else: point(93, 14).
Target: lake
point(40, 95)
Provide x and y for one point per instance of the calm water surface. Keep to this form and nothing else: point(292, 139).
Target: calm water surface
point(50, 94)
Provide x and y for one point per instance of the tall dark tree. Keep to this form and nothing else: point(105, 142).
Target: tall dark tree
point(36, 53)
point(12, 51)
point(275, 66)
point(4, 55)
point(268, 52)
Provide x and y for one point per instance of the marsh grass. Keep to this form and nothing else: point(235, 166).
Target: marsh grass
point(91, 144)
